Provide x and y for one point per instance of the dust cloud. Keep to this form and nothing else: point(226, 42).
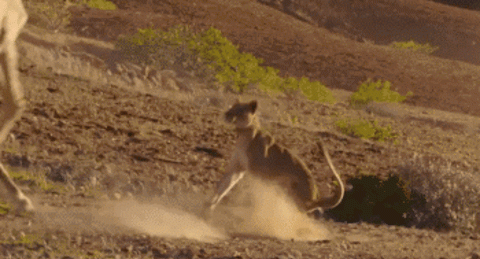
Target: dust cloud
point(268, 211)
point(131, 216)
point(159, 220)
point(254, 208)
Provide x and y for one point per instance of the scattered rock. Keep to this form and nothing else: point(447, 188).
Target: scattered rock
point(383, 109)
point(116, 196)
point(129, 195)
point(138, 83)
point(128, 249)
point(78, 240)
point(168, 80)
point(475, 255)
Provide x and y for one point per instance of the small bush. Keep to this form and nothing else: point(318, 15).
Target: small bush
point(4, 208)
point(37, 179)
point(370, 91)
point(314, 91)
point(413, 46)
point(366, 130)
point(443, 197)
point(243, 69)
point(209, 52)
point(165, 50)
point(101, 4)
point(50, 14)
point(232, 67)
point(26, 239)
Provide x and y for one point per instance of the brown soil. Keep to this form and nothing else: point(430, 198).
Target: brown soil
point(132, 165)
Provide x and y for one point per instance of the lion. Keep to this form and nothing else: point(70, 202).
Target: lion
point(258, 154)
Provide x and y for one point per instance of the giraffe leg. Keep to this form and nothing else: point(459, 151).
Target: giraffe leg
point(12, 93)
point(21, 202)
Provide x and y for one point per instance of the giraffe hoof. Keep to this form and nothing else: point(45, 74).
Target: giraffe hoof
point(24, 205)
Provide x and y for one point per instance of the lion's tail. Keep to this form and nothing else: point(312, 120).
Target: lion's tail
point(325, 203)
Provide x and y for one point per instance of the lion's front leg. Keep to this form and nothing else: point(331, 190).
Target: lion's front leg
point(233, 174)
point(225, 186)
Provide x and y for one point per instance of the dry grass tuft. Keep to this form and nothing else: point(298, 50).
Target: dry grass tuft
point(443, 197)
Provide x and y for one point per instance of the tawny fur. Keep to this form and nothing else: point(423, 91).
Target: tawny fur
point(258, 154)
point(12, 19)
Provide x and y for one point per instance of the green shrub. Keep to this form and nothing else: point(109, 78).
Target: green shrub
point(312, 90)
point(239, 70)
point(366, 130)
point(144, 47)
point(243, 69)
point(4, 208)
point(165, 50)
point(36, 179)
point(316, 91)
point(271, 81)
point(411, 45)
point(102, 4)
point(50, 14)
point(210, 52)
point(370, 91)
point(208, 49)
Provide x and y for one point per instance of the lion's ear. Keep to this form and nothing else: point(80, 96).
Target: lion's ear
point(253, 106)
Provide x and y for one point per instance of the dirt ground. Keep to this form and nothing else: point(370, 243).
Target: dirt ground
point(131, 169)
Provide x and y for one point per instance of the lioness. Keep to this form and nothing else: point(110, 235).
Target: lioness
point(258, 154)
